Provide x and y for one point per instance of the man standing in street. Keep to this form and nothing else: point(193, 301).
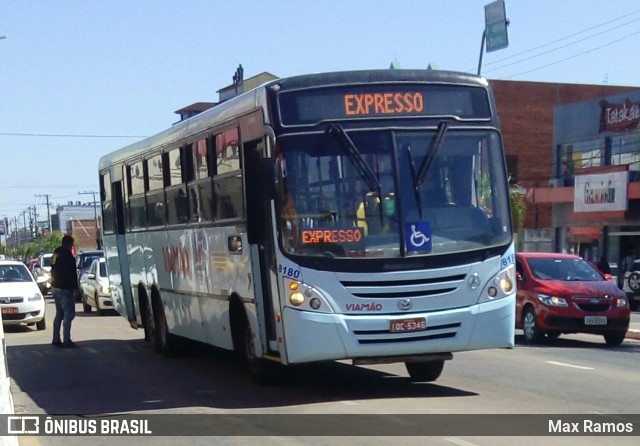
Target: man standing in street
point(64, 280)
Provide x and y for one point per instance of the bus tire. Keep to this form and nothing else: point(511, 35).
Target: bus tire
point(147, 319)
point(262, 372)
point(424, 371)
point(164, 342)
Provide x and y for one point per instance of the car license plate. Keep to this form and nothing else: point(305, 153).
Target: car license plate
point(405, 325)
point(595, 320)
point(10, 310)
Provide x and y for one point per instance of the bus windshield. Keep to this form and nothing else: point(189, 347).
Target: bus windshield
point(392, 193)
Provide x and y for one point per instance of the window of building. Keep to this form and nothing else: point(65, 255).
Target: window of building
point(626, 150)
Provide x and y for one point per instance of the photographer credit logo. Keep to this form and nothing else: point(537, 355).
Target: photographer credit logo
point(23, 425)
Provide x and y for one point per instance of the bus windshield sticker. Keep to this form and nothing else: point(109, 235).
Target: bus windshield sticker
point(417, 236)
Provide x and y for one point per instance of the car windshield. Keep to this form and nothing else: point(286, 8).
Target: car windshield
point(14, 273)
point(46, 260)
point(564, 269)
point(87, 260)
point(392, 193)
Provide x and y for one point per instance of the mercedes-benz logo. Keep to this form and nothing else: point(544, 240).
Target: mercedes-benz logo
point(474, 281)
point(405, 304)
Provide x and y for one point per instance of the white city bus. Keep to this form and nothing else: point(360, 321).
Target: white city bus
point(356, 215)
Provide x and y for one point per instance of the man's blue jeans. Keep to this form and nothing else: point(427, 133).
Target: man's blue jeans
point(65, 312)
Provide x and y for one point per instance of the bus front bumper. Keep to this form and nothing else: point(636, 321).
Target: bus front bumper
point(320, 336)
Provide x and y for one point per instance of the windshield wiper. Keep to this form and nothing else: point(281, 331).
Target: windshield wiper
point(431, 153)
point(356, 157)
point(416, 186)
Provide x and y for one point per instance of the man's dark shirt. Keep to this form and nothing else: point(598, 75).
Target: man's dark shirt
point(63, 269)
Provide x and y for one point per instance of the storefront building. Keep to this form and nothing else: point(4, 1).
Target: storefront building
point(594, 190)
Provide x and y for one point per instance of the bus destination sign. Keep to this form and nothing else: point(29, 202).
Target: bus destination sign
point(391, 103)
point(310, 107)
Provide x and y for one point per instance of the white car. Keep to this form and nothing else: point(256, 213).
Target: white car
point(94, 288)
point(631, 286)
point(21, 301)
point(42, 273)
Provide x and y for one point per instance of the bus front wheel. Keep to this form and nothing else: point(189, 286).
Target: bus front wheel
point(424, 371)
point(262, 372)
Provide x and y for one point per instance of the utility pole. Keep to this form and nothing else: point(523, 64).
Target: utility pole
point(48, 211)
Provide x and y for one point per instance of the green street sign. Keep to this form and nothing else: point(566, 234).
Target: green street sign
point(495, 19)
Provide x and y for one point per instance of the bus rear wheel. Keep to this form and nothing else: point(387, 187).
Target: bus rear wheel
point(163, 341)
point(424, 371)
point(147, 320)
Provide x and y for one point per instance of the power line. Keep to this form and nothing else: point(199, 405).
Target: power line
point(573, 57)
point(567, 37)
point(559, 48)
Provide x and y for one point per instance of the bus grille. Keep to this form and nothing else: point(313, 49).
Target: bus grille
point(386, 336)
point(403, 288)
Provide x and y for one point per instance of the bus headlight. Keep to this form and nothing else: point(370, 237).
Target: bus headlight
point(305, 297)
point(503, 284)
point(296, 298)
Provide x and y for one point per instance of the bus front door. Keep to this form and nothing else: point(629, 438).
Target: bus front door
point(123, 258)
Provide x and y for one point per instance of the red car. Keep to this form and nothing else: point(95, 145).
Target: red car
point(563, 293)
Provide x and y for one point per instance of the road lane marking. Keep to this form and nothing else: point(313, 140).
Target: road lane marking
point(459, 441)
point(564, 364)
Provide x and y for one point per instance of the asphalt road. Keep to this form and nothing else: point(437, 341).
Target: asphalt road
point(115, 372)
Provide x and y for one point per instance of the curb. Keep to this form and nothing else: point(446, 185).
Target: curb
point(632, 333)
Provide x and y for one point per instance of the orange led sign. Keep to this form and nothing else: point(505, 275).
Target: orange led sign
point(383, 103)
point(313, 236)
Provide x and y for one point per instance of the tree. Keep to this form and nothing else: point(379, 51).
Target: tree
point(40, 245)
point(518, 208)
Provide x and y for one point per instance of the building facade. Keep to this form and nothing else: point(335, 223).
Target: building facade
point(594, 190)
point(82, 221)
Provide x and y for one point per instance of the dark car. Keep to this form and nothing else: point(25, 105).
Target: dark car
point(84, 259)
point(563, 293)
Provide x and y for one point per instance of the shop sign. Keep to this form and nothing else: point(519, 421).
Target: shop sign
point(601, 192)
point(619, 117)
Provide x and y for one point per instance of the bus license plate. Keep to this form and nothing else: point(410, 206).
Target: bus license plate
point(10, 310)
point(404, 325)
point(595, 320)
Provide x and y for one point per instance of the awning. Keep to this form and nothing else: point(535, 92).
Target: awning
point(583, 233)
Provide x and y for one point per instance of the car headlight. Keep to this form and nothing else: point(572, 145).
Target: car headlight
point(105, 289)
point(620, 302)
point(552, 301)
point(36, 297)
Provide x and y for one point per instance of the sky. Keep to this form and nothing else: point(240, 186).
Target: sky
point(80, 79)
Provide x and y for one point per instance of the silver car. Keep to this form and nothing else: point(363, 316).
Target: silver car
point(94, 288)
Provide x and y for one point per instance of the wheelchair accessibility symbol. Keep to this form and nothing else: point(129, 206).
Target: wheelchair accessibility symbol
point(417, 236)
